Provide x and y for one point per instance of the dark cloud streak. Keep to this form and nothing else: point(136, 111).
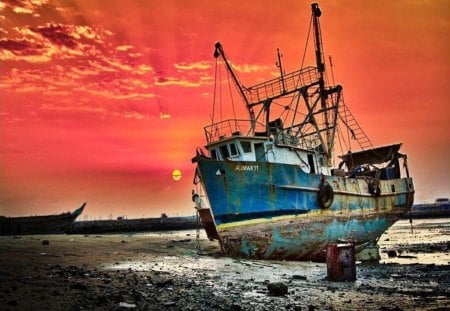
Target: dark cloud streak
point(57, 34)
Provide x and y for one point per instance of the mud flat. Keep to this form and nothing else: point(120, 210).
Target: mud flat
point(164, 272)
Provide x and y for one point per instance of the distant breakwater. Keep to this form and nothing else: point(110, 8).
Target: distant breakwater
point(163, 223)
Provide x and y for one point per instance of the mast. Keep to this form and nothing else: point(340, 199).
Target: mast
point(320, 62)
point(279, 65)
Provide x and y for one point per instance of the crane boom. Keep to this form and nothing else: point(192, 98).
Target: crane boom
point(219, 52)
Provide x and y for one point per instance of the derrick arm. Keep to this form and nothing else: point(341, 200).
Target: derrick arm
point(219, 52)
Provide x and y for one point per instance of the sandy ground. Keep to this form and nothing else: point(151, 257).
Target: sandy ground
point(164, 272)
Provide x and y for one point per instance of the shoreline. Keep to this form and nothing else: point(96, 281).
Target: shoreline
point(162, 271)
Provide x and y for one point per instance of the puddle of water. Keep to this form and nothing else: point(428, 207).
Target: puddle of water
point(425, 232)
point(425, 241)
point(227, 269)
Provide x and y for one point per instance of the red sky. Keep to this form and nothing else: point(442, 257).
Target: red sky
point(101, 100)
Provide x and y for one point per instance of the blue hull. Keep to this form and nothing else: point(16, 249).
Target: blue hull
point(271, 211)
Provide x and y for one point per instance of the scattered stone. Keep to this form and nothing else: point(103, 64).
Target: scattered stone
point(78, 286)
point(164, 283)
point(392, 253)
point(384, 308)
point(45, 242)
point(169, 303)
point(235, 307)
point(277, 289)
point(56, 293)
point(299, 277)
point(127, 305)
point(180, 241)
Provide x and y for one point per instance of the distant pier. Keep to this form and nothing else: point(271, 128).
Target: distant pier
point(162, 223)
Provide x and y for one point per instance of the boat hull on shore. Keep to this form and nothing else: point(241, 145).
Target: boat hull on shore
point(273, 211)
point(47, 224)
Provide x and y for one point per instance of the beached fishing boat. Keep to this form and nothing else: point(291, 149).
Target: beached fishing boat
point(267, 187)
point(46, 224)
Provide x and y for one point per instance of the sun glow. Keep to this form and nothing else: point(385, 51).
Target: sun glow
point(176, 175)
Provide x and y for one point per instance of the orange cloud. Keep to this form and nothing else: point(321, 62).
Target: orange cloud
point(124, 48)
point(164, 115)
point(93, 70)
point(160, 81)
point(202, 65)
point(23, 7)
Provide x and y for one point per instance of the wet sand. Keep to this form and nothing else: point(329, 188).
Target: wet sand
point(165, 272)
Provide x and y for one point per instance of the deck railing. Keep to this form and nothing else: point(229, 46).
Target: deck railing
point(277, 87)
point(231, 127)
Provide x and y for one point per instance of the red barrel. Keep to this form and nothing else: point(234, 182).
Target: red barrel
point(341, 260)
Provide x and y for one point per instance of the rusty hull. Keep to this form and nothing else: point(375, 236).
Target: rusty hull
point(272, 210)
point(303, 237)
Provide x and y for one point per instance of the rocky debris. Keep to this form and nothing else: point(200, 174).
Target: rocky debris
point(392, 253)
point(100, 274)
point(79, 286)
point(13, 303)
point(299, 277)
point(127, 305)
point(277, 289)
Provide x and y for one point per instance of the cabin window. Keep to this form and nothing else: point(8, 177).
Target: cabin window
point(322, 161)
point(246, 146)
point(214, 154)
point(233, 150)
point(224, 151)
point(259, 152)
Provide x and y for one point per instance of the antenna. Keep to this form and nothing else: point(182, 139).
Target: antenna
point(331, 68)
point(279, 65)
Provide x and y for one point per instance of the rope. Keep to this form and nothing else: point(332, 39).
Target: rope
point(307, 41)
point(220, 92)
point(231, 95)
point(214, 95)
point(197, 237)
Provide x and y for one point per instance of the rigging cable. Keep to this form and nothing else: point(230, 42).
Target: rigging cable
point(331, 69)
point(214, 95)
point(341, 143)
point(306, 45)
point(231, 95)
point(220, 92)
point(349, 129)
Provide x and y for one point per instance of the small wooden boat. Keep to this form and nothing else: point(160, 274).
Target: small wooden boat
point(47, 224)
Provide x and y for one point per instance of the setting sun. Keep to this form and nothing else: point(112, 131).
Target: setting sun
point(176, 175)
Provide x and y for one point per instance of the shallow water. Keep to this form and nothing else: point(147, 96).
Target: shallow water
point(426, 239)
point(165, 269)
point(426, 244)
